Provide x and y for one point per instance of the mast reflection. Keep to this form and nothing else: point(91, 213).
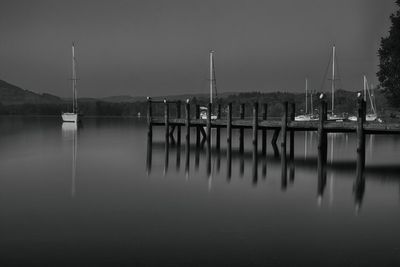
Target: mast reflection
point(70, 133)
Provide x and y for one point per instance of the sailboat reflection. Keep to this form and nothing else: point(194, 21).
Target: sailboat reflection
point(70, 133)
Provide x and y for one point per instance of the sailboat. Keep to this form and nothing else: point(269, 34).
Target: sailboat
point(73, 116)
point(372, 116)
point(307, 116)
point(332, 116)
point(203, 110)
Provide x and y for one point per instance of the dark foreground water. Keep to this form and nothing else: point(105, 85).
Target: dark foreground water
point(85, 198)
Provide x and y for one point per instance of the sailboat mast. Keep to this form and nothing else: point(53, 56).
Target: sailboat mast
point(306, 95)
point(211, 75)
point(365, 87)
point(73, 78)
point(333, 78)
point(311, 103)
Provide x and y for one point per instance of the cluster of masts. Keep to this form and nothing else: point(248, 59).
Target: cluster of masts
point(309, 113)
point(307, 116)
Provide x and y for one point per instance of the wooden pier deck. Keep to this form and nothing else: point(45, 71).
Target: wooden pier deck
point(259, 122)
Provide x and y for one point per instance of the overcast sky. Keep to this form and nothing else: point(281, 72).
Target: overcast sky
point(159, 47)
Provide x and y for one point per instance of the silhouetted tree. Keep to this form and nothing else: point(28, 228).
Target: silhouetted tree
point(389, 56)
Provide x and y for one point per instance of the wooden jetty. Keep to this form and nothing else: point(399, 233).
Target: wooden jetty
point(260, 122)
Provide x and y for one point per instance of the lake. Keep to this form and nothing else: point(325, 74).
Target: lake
point(89, 196)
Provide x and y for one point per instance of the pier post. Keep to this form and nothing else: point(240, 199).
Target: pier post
point(241, 130)
point(264, 132)
point(197, 127)
point(149, 119)
point(149, 136)
point(166, 122)
point(322, 140)
point(255, 141)
point(360, 143)
point(283, 145)
point(187, 138)
point(284, 124)
point(218, 137)
point(229, 140)
point(292, 115)
point(208, 124)
point(178, 115)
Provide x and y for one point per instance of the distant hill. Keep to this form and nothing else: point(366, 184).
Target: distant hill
point(14, 95)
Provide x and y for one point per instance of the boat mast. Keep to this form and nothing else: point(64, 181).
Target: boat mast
point(74, 94)
point(211, 75)
point(306, 95)
point(311, 103)
point(73, 77)
point(333, 78)
point(365, 87)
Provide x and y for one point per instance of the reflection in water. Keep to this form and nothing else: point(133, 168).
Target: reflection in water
point(335, 165)
point(70, 133)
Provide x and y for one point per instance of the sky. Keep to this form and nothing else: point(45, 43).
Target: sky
point(158, 47)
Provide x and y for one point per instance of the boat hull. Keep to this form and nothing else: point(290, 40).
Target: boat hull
point(70, 117)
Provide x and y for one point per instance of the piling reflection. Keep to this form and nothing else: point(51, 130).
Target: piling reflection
point(324, 165)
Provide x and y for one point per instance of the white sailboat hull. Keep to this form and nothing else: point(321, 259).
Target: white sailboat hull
point(70, 117)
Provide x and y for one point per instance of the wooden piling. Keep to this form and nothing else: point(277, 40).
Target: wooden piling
point(178, 115)
point(149, 119)
point(322, 140)
point(198, 127)
point(241, 130)
point(187, 145)
point(360, 140)
point(209, 108)
point(284, 124)
point(283, 146)
point(229, 140)
point(149, 136)
point(166, 121)
point(291, 138)
point(264, 132)
point(255, 141)
point(218, 133)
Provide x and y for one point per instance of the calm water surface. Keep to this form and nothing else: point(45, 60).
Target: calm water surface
point(86, 198)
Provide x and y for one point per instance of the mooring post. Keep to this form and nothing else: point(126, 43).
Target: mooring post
point(283, 145)
point(149, 119)
point(229, 140)
point(255, 141)
point(360, 141)
point(292, 115)
point(241, 130)
point(197, 127)
point(218, 137)
point(178, 115)
point(284, 124)
point(264, 132)
point(187, 145)
point(166, 121)
point(149, 136)
point(209, 107)
point(322, 140)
